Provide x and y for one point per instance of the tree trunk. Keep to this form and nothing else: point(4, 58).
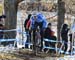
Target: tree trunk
point(11, 16)
point(61, 16)
point(10, 7)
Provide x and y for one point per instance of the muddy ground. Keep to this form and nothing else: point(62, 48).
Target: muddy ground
point(26, 55)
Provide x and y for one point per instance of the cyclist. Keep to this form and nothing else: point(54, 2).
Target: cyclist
point(38, 19)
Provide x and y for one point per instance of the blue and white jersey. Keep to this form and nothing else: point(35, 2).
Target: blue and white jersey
point(40, 18)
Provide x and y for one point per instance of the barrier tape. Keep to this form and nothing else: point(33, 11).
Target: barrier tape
point(14, 30)
point(58, 49)
point(52, 40)
point(28, 34)
point(8, 30)
point(29, 43)
point(23, 33)
point(50, 48)
point(5, 40)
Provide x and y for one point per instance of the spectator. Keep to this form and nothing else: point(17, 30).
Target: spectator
point(1, 28)
point(1, 32)
point(26, 25)
point(49, 34)
point(64, 35)
point(2, 18)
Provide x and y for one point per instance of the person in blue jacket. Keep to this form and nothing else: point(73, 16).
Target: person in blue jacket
point(38, 19)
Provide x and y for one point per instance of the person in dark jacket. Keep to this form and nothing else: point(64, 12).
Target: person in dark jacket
point(25, 23)
point(1, 32)
point(1, 28)
point(49, 34)
point(64, 35)
point(27, 30)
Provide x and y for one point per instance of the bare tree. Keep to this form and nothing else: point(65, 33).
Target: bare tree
point(10, 7)
point(61, 16)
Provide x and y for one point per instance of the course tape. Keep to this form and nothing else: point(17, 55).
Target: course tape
point(53, 48)
point(50, 48)
point(58, 49)
point(51, 40)
point(14, 30)
point(10, 40)
point(8, 30)
point(29, 43)
point(6, 40)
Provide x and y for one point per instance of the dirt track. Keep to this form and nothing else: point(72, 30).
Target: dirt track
point(27, 55)
point(24, 55)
